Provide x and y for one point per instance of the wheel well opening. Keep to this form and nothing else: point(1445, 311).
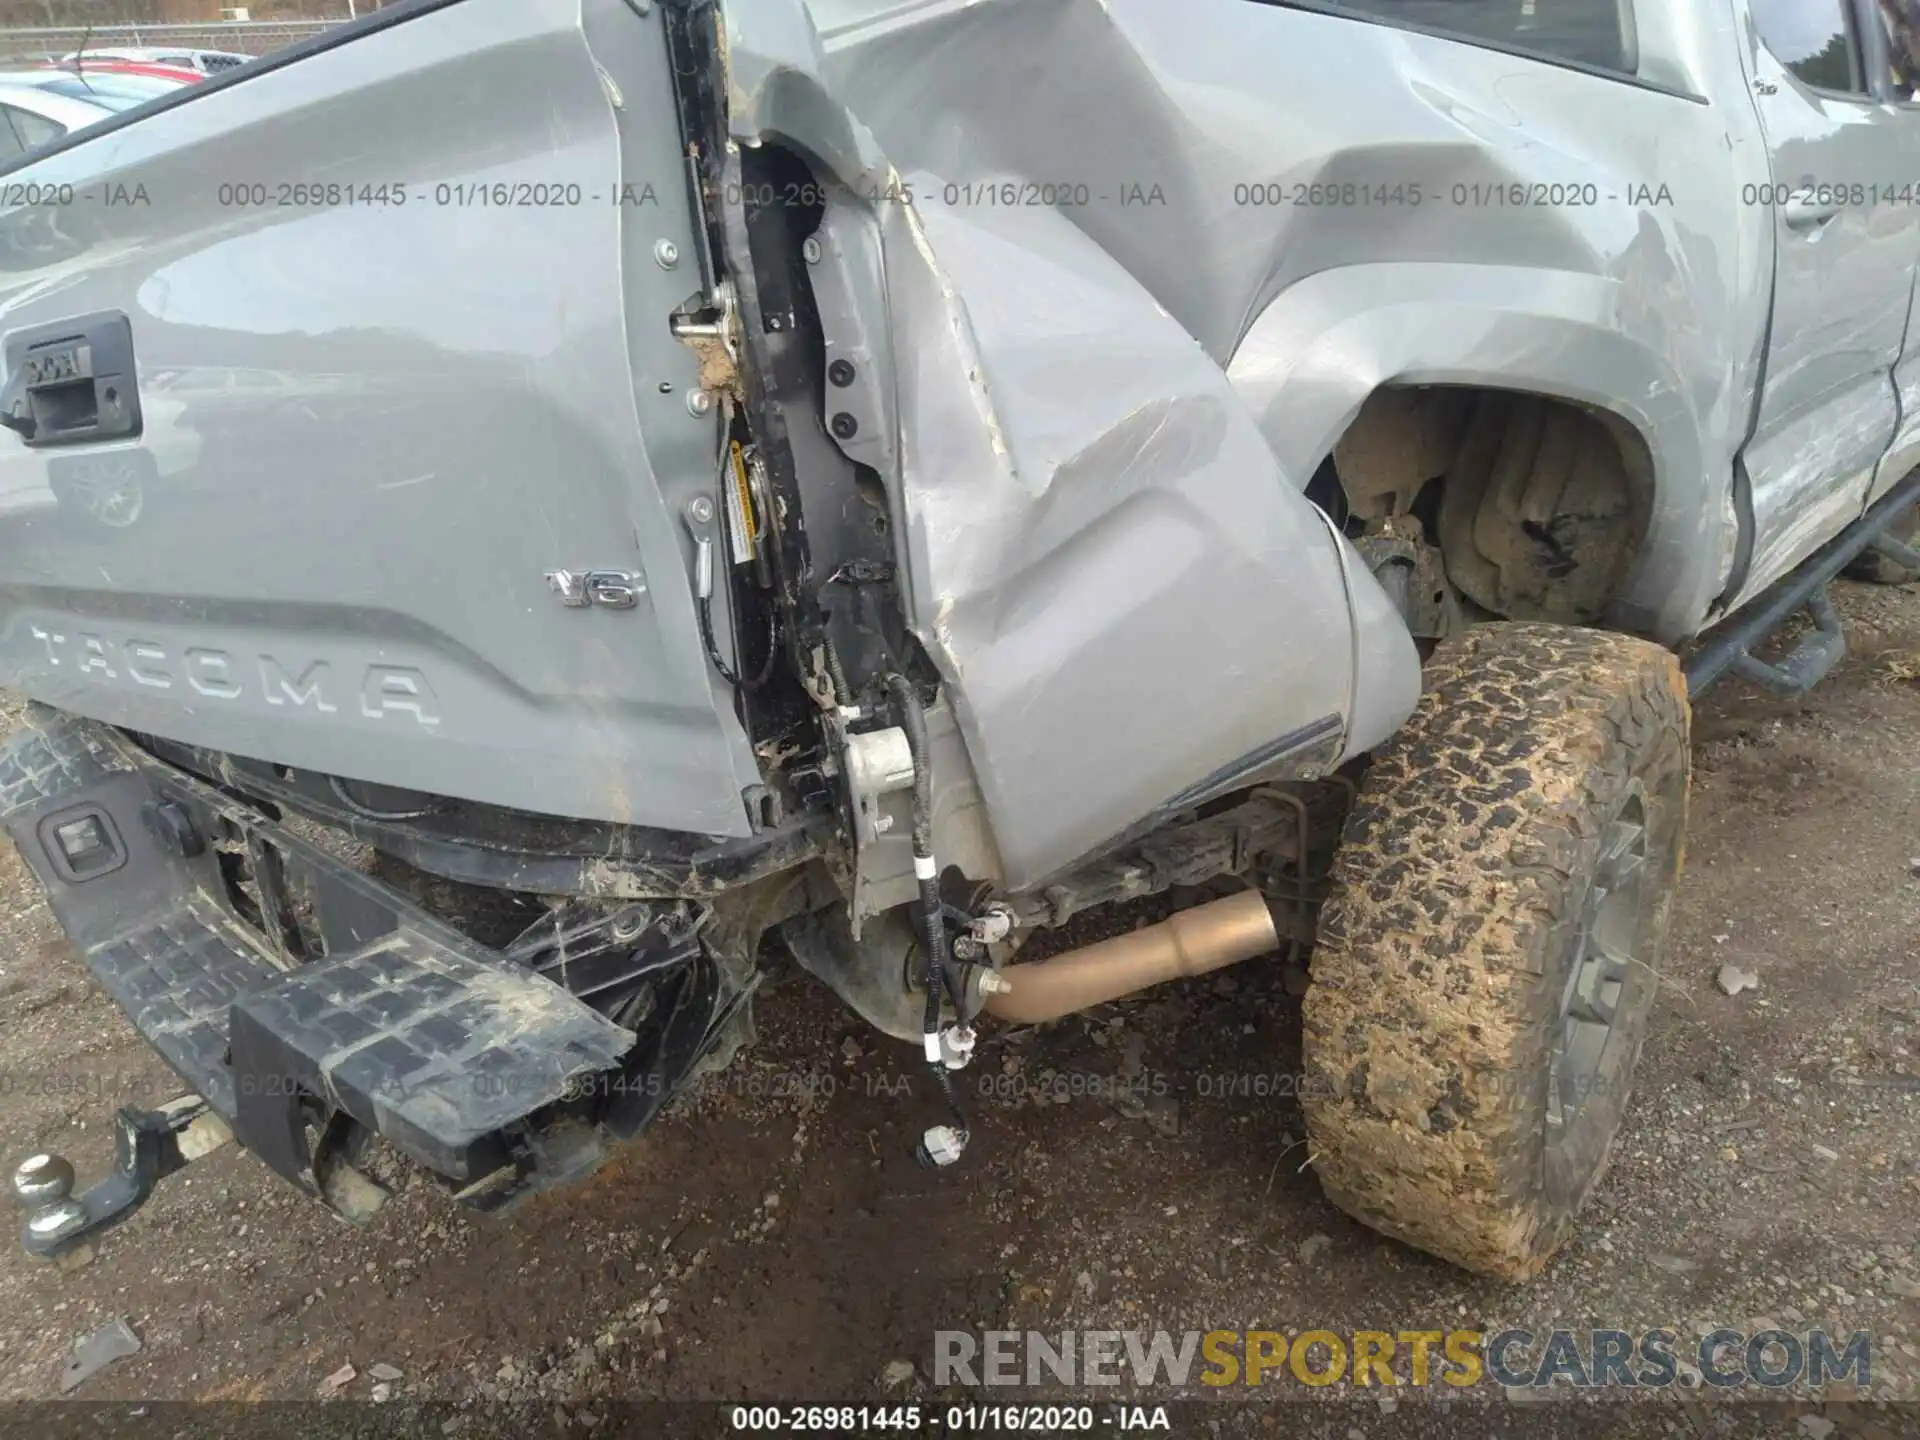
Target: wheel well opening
point(1537, 506)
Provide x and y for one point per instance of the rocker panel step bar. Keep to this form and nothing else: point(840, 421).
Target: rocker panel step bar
point(1729, 645)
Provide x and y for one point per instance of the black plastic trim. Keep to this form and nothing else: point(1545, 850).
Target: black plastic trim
point(514, 850)
point(57, 857)
point(1322, 734)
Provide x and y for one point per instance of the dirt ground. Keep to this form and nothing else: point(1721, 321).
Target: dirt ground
point(772, 1237)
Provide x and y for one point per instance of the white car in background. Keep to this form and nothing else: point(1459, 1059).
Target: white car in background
point(110, 90)
point(207, 62)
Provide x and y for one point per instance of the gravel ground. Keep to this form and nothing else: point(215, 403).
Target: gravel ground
point(771, 1237)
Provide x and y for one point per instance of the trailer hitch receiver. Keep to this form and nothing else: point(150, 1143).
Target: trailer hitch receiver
point(148, 1145)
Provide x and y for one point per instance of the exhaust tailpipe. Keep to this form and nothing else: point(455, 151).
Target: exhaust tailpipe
point(1207, 937)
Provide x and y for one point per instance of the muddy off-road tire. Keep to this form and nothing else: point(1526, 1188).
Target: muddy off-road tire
point(1501, 889)
point(1877, 569)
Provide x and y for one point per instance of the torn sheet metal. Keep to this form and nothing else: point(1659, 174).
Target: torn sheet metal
point(114, 1341)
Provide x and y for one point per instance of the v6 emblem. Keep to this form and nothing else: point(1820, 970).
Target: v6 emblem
point(612, 589)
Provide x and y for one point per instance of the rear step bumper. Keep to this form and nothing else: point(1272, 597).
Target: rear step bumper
point(309, 1005)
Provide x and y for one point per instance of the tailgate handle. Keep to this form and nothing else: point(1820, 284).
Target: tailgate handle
point(72, 382)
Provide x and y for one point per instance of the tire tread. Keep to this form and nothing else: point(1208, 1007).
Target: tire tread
point(1467, 850)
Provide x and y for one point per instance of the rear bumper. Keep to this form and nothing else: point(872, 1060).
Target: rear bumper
point(310, 1006)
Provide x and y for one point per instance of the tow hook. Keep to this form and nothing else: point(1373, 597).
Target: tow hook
point(148, 1146)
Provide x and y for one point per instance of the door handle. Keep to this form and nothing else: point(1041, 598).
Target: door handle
point(1808, 214)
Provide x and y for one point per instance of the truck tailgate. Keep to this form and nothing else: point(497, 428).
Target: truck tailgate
point(400, 348)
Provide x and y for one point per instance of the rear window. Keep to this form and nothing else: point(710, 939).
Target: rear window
point(1589, 32)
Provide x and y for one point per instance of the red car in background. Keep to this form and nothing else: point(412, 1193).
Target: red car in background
point(179, 73)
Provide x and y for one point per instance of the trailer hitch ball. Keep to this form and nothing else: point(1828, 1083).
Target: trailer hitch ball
point(44, 1186)
point(43, 1180)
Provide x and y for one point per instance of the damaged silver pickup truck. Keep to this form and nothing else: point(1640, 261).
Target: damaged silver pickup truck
point(519, 515)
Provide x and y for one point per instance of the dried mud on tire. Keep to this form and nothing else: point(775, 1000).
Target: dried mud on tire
point(1451, 929)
